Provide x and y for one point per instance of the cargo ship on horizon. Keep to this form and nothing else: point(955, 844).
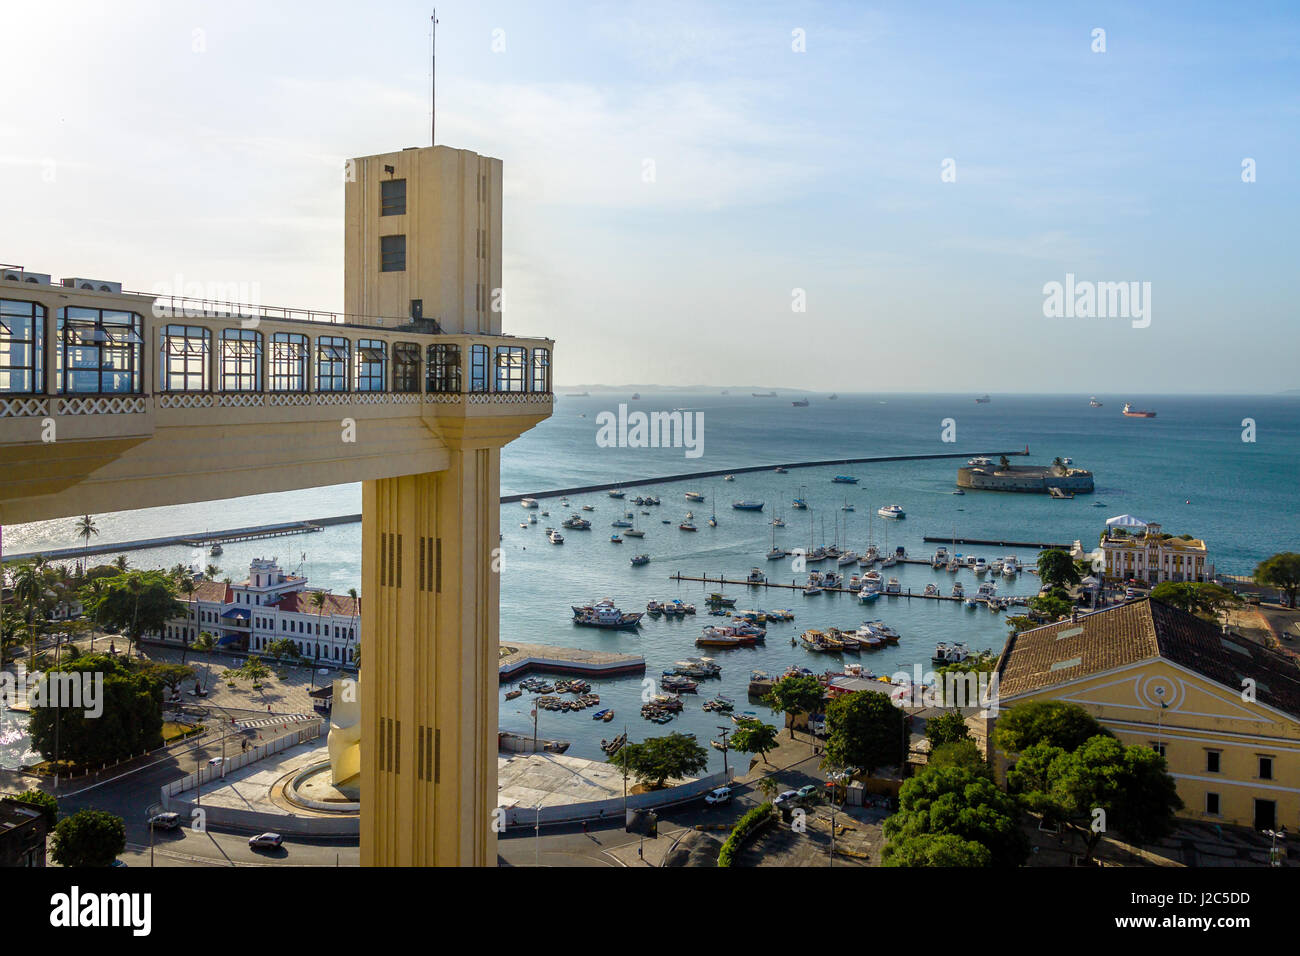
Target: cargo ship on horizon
point(1131, 412)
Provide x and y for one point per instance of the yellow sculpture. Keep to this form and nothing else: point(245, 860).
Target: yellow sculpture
point(345, 731)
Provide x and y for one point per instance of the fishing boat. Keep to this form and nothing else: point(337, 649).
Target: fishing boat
point(694, 496)
point(576, 522)
point(800, 403)
point(604, 614)
point(728, 477)
point(958, 591)
point(612, 747)
point(615, 539)
point(845, 480)
point(528, 502)
point(688, 525)
point(678, 684)
point(600, 714)
point(512, 694)
point(725, 637)
point(893, 587)
point(815, 641)
point(882, 630)
point(940, 557)
point(747, 504)
point(588, 507)
point(555, 536)
point(756, 576)
point(778, 522)
point(891, 511)
point(983, 400)
point(1131, 412)
point(216, 548)
point(640, 559)
point(868, 638)
point(615, 493)
point(1093, 403)
point(720, 600)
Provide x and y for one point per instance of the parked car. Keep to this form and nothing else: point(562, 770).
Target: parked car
point(806, 793)
point(787, 798)
point(165, 821)
point(265, 840)
point(718, 797)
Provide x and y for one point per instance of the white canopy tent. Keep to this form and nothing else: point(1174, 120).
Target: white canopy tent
point(1125, 521)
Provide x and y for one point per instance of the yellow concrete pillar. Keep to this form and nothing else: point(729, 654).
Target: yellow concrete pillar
point(429, 620)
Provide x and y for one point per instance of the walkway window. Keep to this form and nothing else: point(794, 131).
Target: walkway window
point(406, 367)
point(478, 359)
point(392, 197)
point(372, 365)
point(332, 363)
point(241, 360)
point(289, 362)
point(185, 350)
point(392, 253)
point(510, 364)
point(443, 369)
point(22, 346)
point(99, 351)
point(541, 370)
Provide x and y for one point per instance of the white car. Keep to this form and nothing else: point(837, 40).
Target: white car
point(271, 840)
point(718, 797)
point(789, 796)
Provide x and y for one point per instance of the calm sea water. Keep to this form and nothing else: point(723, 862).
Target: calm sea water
point(1188, 469)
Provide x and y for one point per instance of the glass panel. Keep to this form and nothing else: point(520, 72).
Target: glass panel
point(22, 346)
point(444, 368)
point(510, 368)
point(289, 362)
point(241, 360)
point(98, 351)
point(332, 363)
point(541, 370)
point(406, 367)
point(185, 350)
point(372, 363)
point(478, 359)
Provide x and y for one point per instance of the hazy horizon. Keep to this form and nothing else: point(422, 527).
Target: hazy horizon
point(679, 178)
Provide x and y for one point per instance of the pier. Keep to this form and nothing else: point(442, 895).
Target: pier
point(1040, 545)
point(518, 659)
point(796, 586)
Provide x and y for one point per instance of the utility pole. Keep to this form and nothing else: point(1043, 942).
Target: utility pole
point(723, 735)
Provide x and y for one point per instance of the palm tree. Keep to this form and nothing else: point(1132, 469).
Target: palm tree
point(187, 588)
point(211, 572)
point(318, 602)
point(356, 608)
point(29, 590)
point(86, 528)
point(120, 562)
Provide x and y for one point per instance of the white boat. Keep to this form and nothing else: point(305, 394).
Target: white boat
point(847, 557)
point(775, 554)
point(932, 590)
point(216, 548)
point(971, 561)
point(888, 561)
point(981, 566)
point(940, 557)
point(694, 496)
point(605, 614)
point(528, 502)
point(617, 494)
point(872, 579)
point(987, 591)
point(756, 576)
point(870, 591)
point(946, 652)
point(958, 591)
point(532, 519)
point(555, 536)
point(1010, 565)
point(778, 522)
point(893, 587)
point(728, 477)
point(891, 511)
point(812, 590)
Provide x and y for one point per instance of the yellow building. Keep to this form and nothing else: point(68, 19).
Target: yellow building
point(112, 400)
point(1224, 711)
point(1155, 557)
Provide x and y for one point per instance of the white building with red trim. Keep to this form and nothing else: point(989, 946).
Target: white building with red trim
point(268, 605)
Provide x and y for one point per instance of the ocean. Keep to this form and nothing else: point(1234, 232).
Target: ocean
point(1188, 469)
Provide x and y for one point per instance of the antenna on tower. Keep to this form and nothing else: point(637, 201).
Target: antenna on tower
point(433, 78)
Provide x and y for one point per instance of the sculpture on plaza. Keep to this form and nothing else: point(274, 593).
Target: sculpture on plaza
point(345, 731)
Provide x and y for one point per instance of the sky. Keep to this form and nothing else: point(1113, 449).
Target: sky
point(848, 196)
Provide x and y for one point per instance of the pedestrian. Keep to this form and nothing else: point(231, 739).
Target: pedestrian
point(584, 827)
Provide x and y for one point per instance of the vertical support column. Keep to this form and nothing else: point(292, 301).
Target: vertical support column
point(429, 665)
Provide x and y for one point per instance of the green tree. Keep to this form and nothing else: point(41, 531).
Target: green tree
point(1050, 607)
point(1057, 569)
point(283, 647)
point(964, 754)
point(1045, 721)
point(753, 737)
point(125, 721)
point(88, 838)
point(866, 730)
point(1101, 786)
point(187, 586)
point(962, 804)
point(656, 759)
point(769, 787)
point(1281, 571)
point(317, 601)
point(120, 562)
point(30, 594)
point(1194, 597)
point(946, 728)
point(45, 802)
point(254, 670)
point(796, 694)
point(936, 849)
point(85, 529)
point(168, 675)
point(137, 603)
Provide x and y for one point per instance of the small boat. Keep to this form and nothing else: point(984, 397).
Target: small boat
point(847, 557)
point(812, 590)
point(528, 502)
point(512, 694)
point(781, 471)
point(946, 652)
point(688, 525)
point(971, 602)
point(615, 539)
point(728, 477)
point(588, 508)
point(940, 557)
point(720, 600)
point(694, 496)
point(981, 566)
point(604, 614)
point(555, 537)
point(756, 576)
point(639, 559)
point(1010, 565)
point(799, 504)
point(845, 480)
point(216, 548)
point(634, 533)
point(982, 400)
point(869, 593)
point(620, 523)
point(958, 591)
point(891, 511)
point(1093, 403)
point(893, 587)
point(775, 554)
point(532, 519)
point(747, 504)
point(932, 590)
point(616, 493)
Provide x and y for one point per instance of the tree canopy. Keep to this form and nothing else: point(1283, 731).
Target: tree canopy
point(796, 694)
point(135, 602)
point(656, 759)
point(1194, 597)
point(753, 737)
point(1281, 571)
point(946, 728)
point(936, 849)
point(864, 729)
point(956, 802)
point(88, 838)
point(1057, 569)
point(1045, 721)
point(130, 721)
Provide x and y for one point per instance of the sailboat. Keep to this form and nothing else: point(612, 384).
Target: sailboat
point(634, 531)
point(775, 553)
point(713, 509)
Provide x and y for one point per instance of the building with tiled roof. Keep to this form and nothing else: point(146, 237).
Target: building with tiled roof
point(265, 607)
point(1154, 557)
point(1224, 711)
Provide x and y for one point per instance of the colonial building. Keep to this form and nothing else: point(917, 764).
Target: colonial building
point(1154, 557)
point(1224, 711)
point(266, 606)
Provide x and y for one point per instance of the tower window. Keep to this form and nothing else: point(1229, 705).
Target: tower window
point(392, 197)
point(392, 253)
